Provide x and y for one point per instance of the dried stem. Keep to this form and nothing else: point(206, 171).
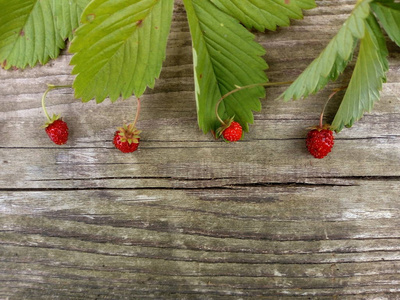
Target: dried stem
point(334, 92)
point(137, 112)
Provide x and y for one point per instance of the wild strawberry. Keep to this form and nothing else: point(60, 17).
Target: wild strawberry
point(320, 141)
point(231, 131)
point(55, 127)
point(126, 138)
point(57, 130)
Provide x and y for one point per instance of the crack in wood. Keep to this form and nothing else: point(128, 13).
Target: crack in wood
point(346, 181)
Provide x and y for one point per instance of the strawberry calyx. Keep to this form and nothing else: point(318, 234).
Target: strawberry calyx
point(52, 120)
point(129, 133)
point(224, 126)
point(320, 127)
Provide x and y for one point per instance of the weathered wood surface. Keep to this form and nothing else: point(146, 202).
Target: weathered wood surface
point(189, 217)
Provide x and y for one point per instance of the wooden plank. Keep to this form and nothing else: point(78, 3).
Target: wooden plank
point(187, 217)
point(170, 164)
point(261, 241)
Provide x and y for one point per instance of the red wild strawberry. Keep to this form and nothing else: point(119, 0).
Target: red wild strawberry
point(320, 141)
point(230, 130)
point(126, 138)
point(233, 133)
point(57, 130)
point(55, 127)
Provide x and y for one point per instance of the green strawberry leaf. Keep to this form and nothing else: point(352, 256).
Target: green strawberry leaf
point(120, 48)
point(388, 13)
point(367, 78)
point(33, 31)
point(67, 15)
point(225, 56)
point(267, 14)
point(334, 58)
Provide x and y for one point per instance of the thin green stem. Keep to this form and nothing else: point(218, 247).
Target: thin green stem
point(49, 88)
point(43, 103)
point(137, 112)
point(239, 88)
point(59, 86)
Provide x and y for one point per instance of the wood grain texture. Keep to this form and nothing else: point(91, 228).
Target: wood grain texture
point(187, 217)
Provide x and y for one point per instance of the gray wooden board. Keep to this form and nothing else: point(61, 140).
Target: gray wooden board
point(189, 217)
